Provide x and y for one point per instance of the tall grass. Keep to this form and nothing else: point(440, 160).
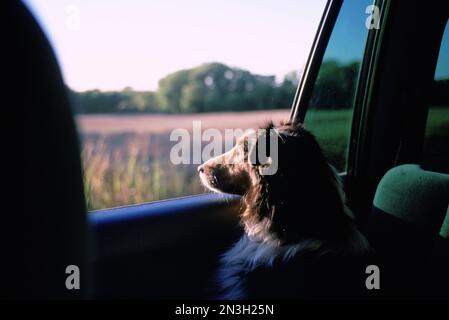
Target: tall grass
point(128, 168)
point(331, 128)
point(124, 169)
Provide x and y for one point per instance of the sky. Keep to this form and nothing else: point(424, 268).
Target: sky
point(442, 69)
point(110, 45)
point(348, 38)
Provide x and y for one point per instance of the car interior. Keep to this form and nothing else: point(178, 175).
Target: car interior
point(169, 249)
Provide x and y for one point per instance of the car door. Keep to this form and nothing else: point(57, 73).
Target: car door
point(170, 249)
point(353, 95)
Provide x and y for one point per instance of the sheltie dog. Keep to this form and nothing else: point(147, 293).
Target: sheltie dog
point(299, 238)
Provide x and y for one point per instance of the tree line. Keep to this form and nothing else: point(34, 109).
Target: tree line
point(217, 87)
point(209, 87)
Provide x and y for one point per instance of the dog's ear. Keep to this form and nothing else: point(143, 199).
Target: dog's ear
point(263, 150)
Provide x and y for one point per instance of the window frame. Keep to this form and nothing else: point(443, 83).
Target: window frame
point(315, 59)
point(103, 217)
point(363, 84)
point(169, 210)
point(134, 223)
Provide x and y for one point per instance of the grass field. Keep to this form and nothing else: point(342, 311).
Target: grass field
point(126, 157)
point(331, 128)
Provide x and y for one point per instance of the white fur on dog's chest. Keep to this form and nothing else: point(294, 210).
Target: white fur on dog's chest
point(246, 255)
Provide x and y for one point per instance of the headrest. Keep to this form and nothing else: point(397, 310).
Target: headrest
point(414, 195)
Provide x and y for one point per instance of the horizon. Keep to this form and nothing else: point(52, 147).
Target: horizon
point(130, 88)
point(110, 46)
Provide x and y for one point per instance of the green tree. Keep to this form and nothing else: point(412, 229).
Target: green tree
point(170, 90)
point(335, 85)
point(215, 87)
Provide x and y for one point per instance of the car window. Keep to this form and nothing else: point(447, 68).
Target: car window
point(143, 75)
point(329, 113)
point(436, 140)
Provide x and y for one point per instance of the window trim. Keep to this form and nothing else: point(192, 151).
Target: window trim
point(314, 60)
point(136, 228)
point(364, 92)
point(363, 83)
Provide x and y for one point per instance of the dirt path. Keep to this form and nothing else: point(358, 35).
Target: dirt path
point(159, 123)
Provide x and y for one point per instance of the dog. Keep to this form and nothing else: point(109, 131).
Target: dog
point(299, 238)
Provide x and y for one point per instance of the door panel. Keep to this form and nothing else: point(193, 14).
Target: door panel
point(165, 249)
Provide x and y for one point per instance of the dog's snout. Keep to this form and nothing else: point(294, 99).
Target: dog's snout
point(200, 169)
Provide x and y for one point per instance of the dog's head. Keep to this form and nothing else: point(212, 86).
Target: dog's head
point(300, 199)
point(232, 171)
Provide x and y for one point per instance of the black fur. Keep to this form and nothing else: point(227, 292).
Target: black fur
point(299, 239)
point(302, 196)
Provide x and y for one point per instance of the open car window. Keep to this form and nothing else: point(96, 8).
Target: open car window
point(144, 77)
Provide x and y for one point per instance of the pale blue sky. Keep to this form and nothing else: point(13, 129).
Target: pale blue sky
point(442, 69)
point(135, 43)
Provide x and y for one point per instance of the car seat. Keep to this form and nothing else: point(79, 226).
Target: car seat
point(408, 228)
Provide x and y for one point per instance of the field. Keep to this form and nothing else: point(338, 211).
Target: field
point(126, 157)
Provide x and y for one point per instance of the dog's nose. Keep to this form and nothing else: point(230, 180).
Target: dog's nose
point(200, 169)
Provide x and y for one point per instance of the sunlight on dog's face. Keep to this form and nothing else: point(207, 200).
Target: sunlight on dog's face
point(230, 172)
